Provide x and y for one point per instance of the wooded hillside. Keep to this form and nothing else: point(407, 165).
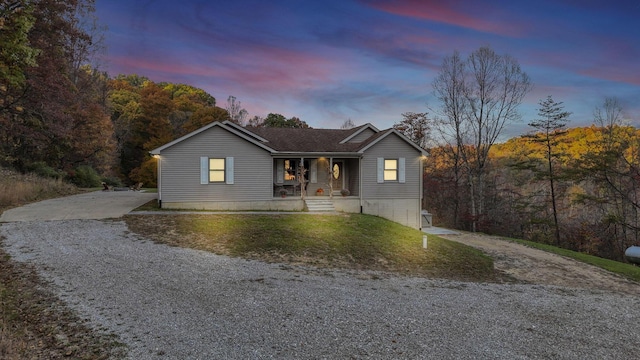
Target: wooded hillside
point(60, 116)
point(596, 172)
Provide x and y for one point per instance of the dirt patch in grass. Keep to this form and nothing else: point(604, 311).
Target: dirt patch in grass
point(536, 266)
point(35, 324)
point(347, 241)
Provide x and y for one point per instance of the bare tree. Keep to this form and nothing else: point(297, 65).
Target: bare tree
point(614, 164)
point(449, 89)
point(609, 118)
point(478, 98)
point(347, 124)
point(256, 121)
point(237, 114)
point(416, 127)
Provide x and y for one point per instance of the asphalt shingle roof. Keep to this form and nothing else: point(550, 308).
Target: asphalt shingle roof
point(310, 140)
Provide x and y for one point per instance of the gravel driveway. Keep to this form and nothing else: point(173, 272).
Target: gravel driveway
point(173, 303)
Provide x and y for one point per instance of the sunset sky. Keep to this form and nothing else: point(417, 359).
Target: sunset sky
point(371, 60)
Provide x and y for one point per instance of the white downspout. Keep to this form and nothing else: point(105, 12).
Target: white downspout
point(159, 163)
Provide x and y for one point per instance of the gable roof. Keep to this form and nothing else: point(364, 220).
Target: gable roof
point(296, 140)
point(358, 130)
point(231, 129)
point(383, 134)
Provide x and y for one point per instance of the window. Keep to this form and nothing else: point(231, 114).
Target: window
point(216, 170)
point(390, 170)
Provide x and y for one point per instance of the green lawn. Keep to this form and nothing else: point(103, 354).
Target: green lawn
point(345, 241)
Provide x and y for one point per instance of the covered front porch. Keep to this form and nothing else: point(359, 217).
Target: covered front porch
point(316, 176)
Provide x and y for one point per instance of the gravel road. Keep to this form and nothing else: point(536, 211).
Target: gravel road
point(173, 303)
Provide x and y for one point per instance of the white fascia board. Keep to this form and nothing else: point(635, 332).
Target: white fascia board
point(363, 128)
point(394, 131)
point(230, 129)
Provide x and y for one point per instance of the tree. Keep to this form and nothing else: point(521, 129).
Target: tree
point(549, 127)
point(16, 52)
point(279, 121)
point(449, 87)
point(478, 98)
point(149, 129)
point(295, 122)
point(415, 126)
point(237, 113)
point(57, 95)
point(204, 116)
point(347, 124)
point(188, 101)
point(611, 162)
point(256, 121)
point(124, 99)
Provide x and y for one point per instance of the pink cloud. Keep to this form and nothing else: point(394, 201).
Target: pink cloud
point(614, 59)
point(613, 73)
point(260, 68)
point(131, 65)
point(450, 12)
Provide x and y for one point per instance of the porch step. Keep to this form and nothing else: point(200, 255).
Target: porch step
point(324, 204)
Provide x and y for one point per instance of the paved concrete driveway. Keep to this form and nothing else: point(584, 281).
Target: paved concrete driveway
point(93, 205)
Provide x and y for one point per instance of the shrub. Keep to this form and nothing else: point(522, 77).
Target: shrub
point(17, 189)
point(145, 173)
point(85, 176)
point(41, 169)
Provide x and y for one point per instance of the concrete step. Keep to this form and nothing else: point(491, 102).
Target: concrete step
point(320, 205)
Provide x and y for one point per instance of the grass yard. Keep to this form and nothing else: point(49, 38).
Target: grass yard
point(352, 241)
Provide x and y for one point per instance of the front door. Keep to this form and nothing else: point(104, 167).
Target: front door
point(337, 175)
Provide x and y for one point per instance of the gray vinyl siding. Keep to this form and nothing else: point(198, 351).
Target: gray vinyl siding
point(180, 171)
point(391, 147)
point(353, 181)
point(364, 135)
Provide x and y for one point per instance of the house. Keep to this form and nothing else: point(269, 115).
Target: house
point(223, 166)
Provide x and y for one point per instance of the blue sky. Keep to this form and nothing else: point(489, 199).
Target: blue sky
point(371, 60)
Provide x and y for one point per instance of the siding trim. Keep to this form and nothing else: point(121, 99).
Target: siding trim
point(204, 170)
point(228, 170)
